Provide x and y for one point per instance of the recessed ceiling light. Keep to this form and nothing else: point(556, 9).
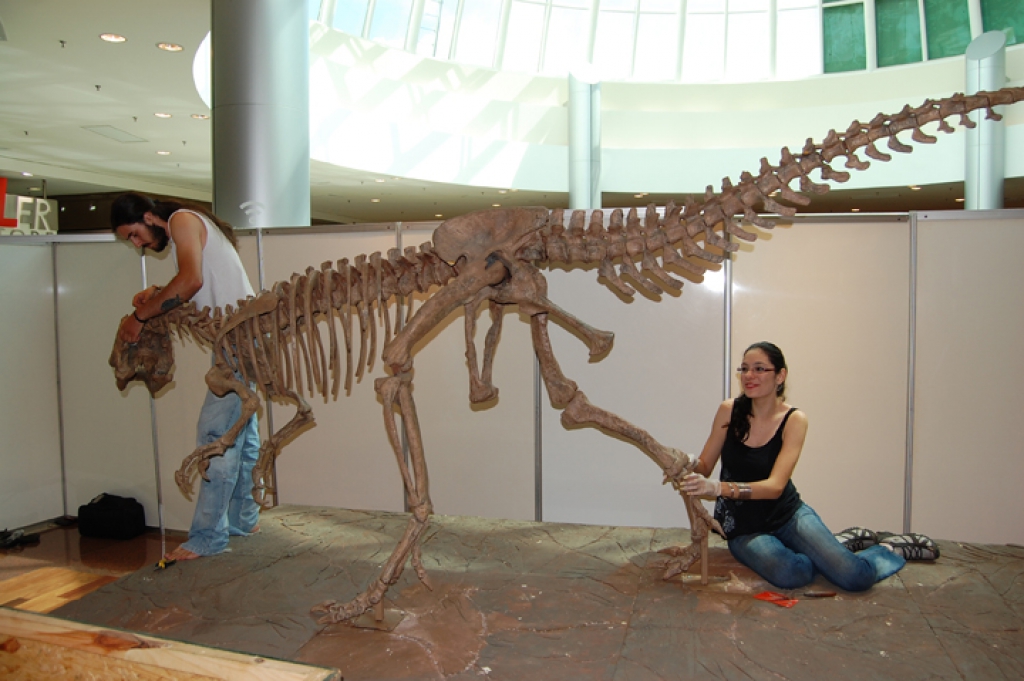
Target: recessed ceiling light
point(914, 188)
point(35, 189)
point(503, 191)
point(112, 37)
point(959, 200)
point(161, 114)
point(169, 47)
point(855, 210)
point(638, 196)
point(496, 205)
point(513, 190)
point(164, 153)
point(200, 117)
point(27, 175)
point(374, 200)
point(438, 215)
point(380, 179)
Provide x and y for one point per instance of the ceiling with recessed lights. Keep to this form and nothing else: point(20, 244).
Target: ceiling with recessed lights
point(87, 117)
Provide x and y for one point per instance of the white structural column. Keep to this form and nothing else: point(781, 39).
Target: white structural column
point(986, 144)
point(870, 35)
point(584, 142)
point(260, 90)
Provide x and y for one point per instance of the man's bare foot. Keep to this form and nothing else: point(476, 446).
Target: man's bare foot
point(181, 554)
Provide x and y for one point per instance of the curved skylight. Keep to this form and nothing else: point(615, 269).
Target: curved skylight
point(692, 41)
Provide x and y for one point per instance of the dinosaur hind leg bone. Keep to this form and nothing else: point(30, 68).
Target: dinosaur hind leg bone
point(579, 411)
point(395, 390)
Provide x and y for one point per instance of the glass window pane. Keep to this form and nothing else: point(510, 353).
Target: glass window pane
point(522, 42)
point(746, 54)
point(445, 29)
point(1006, 16)
point(948, 26)
point(613, 45)
point(898, 32)
point(426, 43)
point(795, 4)
point(656, 47)
point(842, 39)
point(702, 6)
point(314, 9)
point(704, 48)
point(748, 6)
point(621, 5)
point(666, 6)
point(798, 44)
point(478, 32)
point(390, 22)
point(349, 17)
point(565, 41)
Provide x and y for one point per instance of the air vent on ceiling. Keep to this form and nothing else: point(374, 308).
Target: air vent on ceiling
point(113, 133)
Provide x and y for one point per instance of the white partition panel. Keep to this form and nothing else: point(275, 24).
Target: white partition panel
point(30, 486)
point(663, 374)
point(480, 458)
point(968, 457)
point(834, 297)
point(178, 404)
point(107, 433)
point(345, 459)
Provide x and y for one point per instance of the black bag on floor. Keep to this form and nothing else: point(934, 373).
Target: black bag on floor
point(111, 517)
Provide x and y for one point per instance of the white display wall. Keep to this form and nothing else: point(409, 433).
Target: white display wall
point(897, 337)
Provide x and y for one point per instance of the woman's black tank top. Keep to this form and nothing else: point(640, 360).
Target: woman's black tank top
point(741, 463)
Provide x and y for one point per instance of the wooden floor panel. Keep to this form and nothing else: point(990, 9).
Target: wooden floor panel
point(46, 589)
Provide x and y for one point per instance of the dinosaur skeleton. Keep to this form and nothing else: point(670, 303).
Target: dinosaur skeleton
point(272, 340)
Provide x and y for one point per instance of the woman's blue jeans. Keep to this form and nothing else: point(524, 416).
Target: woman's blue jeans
point(225, 505)
point(793, 555)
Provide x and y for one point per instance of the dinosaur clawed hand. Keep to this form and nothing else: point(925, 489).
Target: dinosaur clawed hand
point(333, 611)
point(195, 465)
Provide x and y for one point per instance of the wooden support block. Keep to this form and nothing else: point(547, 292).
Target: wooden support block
point(41, 647)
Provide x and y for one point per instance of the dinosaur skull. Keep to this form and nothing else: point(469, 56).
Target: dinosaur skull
point(150, 360)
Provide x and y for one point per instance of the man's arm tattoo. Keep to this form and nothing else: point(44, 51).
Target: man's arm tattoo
point(171, 303)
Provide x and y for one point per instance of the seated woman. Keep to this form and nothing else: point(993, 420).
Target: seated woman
point(769, 529)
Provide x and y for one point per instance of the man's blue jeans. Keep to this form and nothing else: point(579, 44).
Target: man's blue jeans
point(225, 505)
point(793, 555)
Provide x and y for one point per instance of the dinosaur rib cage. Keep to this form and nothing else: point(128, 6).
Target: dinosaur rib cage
point(269, 340)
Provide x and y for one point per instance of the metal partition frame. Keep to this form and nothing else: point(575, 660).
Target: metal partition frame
point(916, 220)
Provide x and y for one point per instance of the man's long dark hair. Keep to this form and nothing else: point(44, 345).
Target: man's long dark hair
point(742, 406)
point(130, 208)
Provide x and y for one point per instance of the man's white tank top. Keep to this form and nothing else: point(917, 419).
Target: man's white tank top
point(224, 279)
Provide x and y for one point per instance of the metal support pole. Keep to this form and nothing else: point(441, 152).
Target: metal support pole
point(908, 473)
point(584, 142)
point(986, 144)
point(60, 394)
point(156, 448)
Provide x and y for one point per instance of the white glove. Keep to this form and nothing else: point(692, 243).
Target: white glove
point(697, 485)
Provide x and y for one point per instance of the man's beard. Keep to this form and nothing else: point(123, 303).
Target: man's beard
point(159, 237)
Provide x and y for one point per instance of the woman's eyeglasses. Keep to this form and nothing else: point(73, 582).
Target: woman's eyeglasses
point(758, 369)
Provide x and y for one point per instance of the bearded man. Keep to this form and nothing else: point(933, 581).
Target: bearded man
point(210, 273)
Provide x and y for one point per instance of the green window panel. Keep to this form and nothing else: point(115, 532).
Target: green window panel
point(843, 38)
point(949, 27)
point(898, 32)
point(1004, 15)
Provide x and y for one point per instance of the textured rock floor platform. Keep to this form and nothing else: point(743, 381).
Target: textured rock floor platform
point(538, 601)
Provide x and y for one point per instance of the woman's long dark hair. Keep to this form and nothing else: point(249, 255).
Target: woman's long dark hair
point(130, 208)
point(739, 423)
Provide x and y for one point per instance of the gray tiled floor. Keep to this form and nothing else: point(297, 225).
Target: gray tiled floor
point(520, 600)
